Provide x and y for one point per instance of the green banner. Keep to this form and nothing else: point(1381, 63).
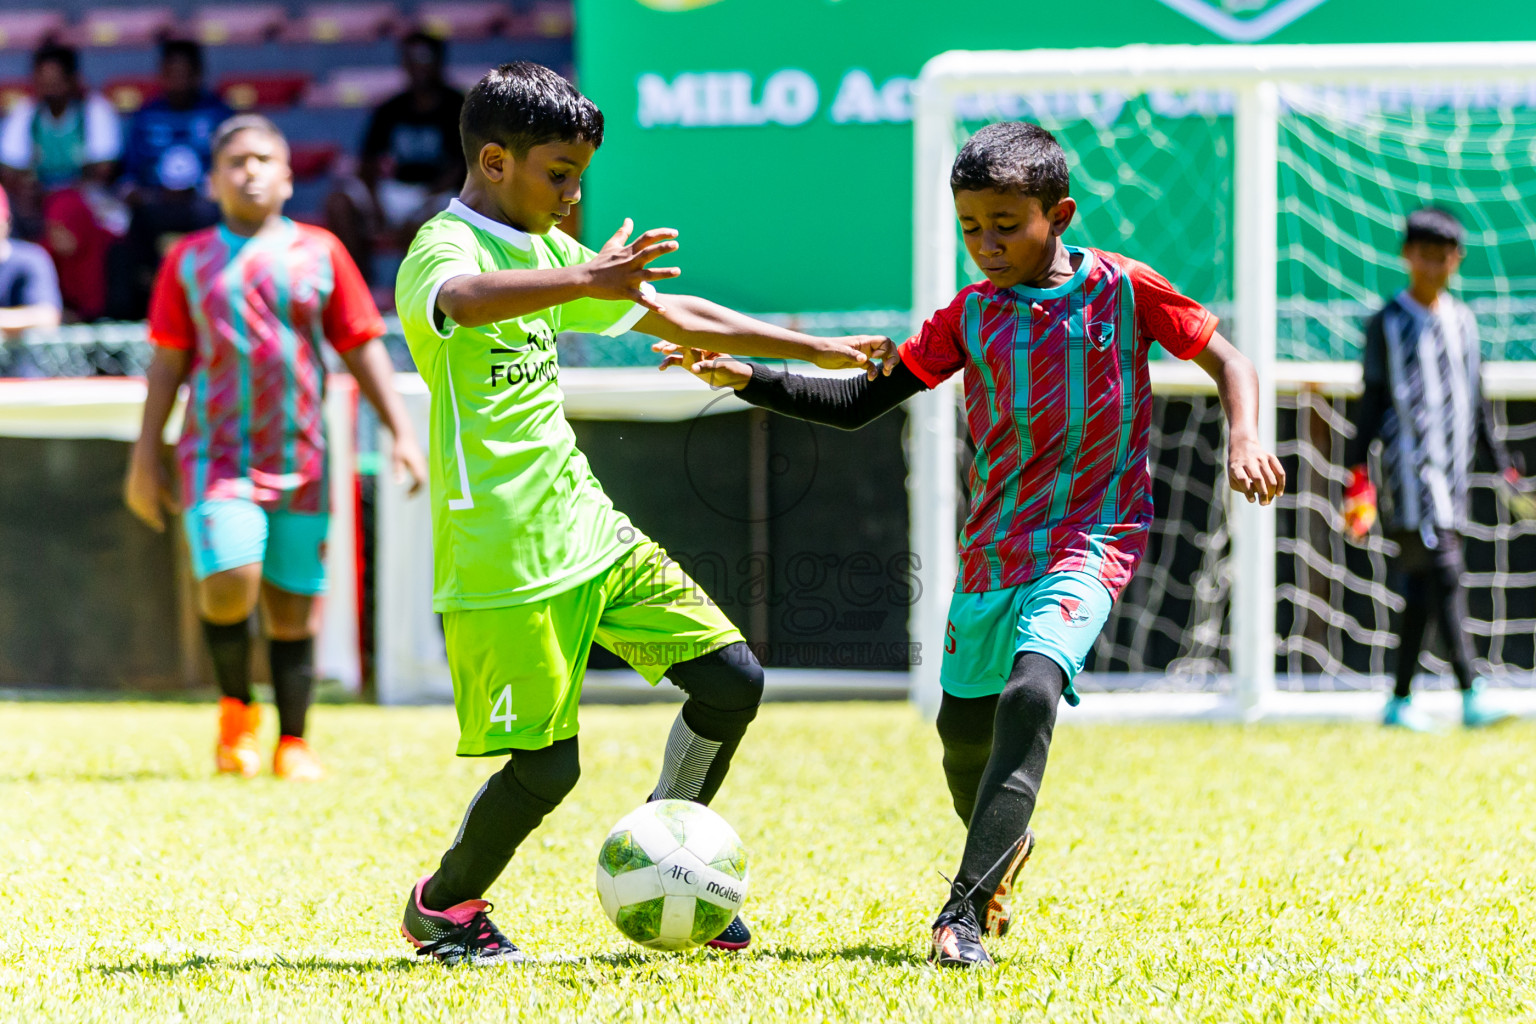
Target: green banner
point(775, 134)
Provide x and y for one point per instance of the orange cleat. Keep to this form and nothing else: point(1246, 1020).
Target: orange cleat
point(236, 753)
point(1000, 906)
point(296, 762)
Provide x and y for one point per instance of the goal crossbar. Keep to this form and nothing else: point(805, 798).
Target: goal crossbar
point(1254, 76)
point(1225, 67)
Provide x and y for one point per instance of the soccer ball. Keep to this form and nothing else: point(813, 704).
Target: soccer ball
point(671, 875)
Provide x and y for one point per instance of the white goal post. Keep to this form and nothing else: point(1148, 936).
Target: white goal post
point(1255, 77)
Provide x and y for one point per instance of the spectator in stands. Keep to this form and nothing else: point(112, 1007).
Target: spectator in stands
point(411, 162)
point(59, 150)
point(29, 286)
point(167, 144)
point(165, 163)
point(62, 135)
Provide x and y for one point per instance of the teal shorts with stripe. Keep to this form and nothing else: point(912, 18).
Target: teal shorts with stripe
point(1059, 615)
point(226, 533)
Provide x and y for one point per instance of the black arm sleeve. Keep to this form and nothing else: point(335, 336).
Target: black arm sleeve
point(1376, 398)
point(843, 402)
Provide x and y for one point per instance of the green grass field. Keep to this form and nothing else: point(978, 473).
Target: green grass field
point(1184, 872)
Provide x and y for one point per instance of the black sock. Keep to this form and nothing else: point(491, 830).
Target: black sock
point(1005, 800)
point(229, 646)
point(724, 690)
point(293, 678)
point(965, 730)
point(508, 807)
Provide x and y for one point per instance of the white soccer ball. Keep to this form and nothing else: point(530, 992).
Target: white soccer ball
point(671, 875)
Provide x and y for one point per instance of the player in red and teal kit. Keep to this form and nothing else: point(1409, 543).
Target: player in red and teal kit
point(1053, 348)
point(238, 314)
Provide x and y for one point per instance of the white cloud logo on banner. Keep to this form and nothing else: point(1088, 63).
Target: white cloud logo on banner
point(1260, 18)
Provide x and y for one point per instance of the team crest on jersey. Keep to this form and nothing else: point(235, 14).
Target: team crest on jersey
point(1074, 613)
point(1103, 335)
point(1243, 21)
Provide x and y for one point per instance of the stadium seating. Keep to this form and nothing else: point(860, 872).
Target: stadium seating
point(313, 160)
point(238, 24)
point(263, 91)
point(356, 87)
point(245, 25)
point(463, 19)
point(124, 26)
point(25, 30)
point(549, 19)
point(130, 92)
point(345, 23)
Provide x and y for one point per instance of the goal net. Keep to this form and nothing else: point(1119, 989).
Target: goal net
point(1270, 183)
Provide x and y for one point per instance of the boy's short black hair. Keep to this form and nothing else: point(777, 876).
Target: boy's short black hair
point(232, 126)
point(433, 45)
point(1435, 226)
point(182, 49)
point(522, 105)
point(1012, 155)
point(66, 57)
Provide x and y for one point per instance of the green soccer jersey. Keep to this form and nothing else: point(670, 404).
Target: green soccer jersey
point(517, 515)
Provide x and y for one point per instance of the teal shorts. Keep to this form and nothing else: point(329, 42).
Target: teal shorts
point(230, 532)
point(1059, 615)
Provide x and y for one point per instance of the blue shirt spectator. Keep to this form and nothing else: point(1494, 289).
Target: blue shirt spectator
point(167, 143)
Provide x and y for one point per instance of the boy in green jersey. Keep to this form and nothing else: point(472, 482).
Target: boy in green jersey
point(533, 562)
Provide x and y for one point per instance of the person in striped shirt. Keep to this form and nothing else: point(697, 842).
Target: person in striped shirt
point(1053, 347)
point(1423, 400)
point(238, 314)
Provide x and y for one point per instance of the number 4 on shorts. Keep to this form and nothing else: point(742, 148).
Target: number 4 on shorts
point(501, 710)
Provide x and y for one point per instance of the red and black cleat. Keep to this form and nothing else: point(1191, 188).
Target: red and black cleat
point(957, 939)
point(462, 934)
point(735, 936)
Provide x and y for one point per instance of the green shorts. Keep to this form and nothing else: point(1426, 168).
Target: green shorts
point(517, 670)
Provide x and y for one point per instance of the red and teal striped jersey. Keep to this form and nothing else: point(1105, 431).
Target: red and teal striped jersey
point(1059, 403)
point(252, 312)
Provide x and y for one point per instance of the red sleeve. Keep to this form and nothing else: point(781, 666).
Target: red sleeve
point(351, 318)
point(170, 318)
point(938, 350)
point(1179, 323)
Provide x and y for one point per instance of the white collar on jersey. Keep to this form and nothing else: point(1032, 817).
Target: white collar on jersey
point(1422, 312)
point(506, 232)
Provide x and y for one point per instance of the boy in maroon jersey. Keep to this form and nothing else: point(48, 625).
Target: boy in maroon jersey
point(238, 314)
point(1053, 347)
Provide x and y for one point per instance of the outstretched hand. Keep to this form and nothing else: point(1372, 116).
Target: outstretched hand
point(1254, 473)
point(713, 368)
point(621, 268)
point(872, 353)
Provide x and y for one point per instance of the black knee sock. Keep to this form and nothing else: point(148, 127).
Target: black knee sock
point(965, 729)
point(1005, 800)
point(1415, 622)
point(724, 690)
point(508, 807)
point(230, 648)
point(293, 679)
